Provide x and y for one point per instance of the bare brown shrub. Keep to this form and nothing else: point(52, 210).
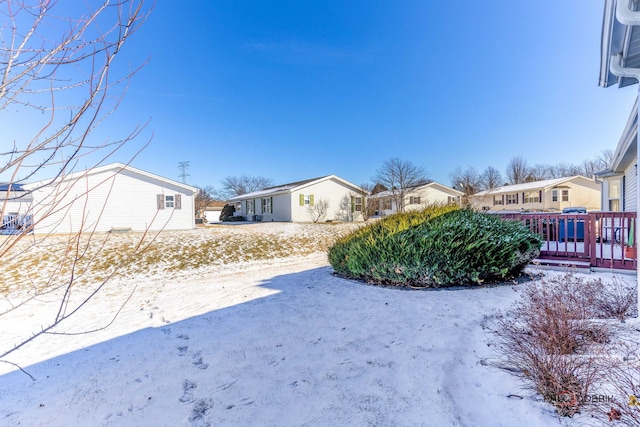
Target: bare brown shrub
point(621, 374)
point(552, 341)
point(617, 299)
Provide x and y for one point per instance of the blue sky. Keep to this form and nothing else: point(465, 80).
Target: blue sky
point(294, 90)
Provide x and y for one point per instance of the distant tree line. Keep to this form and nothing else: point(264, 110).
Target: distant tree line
point(518, 171)
point(397, 176)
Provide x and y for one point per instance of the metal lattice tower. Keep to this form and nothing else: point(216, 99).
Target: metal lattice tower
point(184, 168)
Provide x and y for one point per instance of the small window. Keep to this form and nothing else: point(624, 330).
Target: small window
point(266, 205)
point(307, 199)
point(554, 195)
point(358, 204)
point(565, 195)
point(169, 202)
point(614, 195)
point(498, 200)
point(512, 199)
point(251, 207)
point(414, 200)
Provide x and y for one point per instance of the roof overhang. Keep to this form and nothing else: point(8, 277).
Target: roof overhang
point(619, 40)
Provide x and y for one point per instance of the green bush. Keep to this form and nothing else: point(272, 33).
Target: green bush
point(440, 246)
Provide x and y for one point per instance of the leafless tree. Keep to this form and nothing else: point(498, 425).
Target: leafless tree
point(59, 74)
point(491, 178)
point(318, 210)
point(204, 196)
point(233, 186)
point(371, 205)
point(399, 176)
point(468, 181)
point(605, 159)
point(517, 170)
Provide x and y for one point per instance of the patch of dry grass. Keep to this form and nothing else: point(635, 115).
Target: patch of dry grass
point(50, 262)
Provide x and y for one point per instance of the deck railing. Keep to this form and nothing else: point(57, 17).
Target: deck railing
point(601, 239)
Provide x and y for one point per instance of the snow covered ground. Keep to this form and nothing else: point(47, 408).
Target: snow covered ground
point(266, 342)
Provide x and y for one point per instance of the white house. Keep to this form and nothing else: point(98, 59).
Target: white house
point(303, 201)
point(546, 195)
point(620, 65)
point(114, 196)
point(416, 198)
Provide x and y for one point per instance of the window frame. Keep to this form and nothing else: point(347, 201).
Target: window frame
point(267, 205)
point(358, 203)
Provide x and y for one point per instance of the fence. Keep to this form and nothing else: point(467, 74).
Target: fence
point(596, 239)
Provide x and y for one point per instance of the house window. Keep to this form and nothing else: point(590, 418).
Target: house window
point(565, 195)
point(614, 195)
point(307, 199)
point(414, 200)
point(173, 201)
point(266, 205)
point(453, 200)
point(532, 197)
point(357, 204)
point(554, 195)
point(512, 199)
point(498, 200)
point(251, 207)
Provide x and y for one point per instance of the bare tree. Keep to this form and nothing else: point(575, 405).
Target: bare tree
point(371, 204)
point(491, 178)
point(399, 176)
point(59, 73)
point(204, 196)
point(233, 186)
point(605, 159)
point(468, 181)
point(517, 170)
point(318, 210)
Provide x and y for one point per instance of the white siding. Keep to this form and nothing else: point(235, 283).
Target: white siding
point(108, 199)
point(281, 208)
point(630, 182)
point(428, 196)
point(338, 196)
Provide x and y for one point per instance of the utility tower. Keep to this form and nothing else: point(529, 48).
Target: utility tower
point(184, 168)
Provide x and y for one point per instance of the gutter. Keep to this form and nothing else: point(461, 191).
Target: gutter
point(625, 15)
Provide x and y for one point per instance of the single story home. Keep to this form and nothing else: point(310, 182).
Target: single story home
point(106, 198)
point(620, 65)
point(328, 198)
point(415, 198)
point(541, 196)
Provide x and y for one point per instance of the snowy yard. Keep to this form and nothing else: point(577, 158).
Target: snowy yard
point(272, 341)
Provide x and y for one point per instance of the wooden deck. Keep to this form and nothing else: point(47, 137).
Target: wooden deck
point(596, 239)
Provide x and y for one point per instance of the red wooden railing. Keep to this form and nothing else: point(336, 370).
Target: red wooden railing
point(599, 239)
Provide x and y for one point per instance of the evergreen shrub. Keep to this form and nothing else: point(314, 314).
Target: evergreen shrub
point(440, 246)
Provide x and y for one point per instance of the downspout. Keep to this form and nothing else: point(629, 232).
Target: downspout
point(616, 68)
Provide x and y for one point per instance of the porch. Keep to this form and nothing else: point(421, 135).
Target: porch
point(595, 239)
